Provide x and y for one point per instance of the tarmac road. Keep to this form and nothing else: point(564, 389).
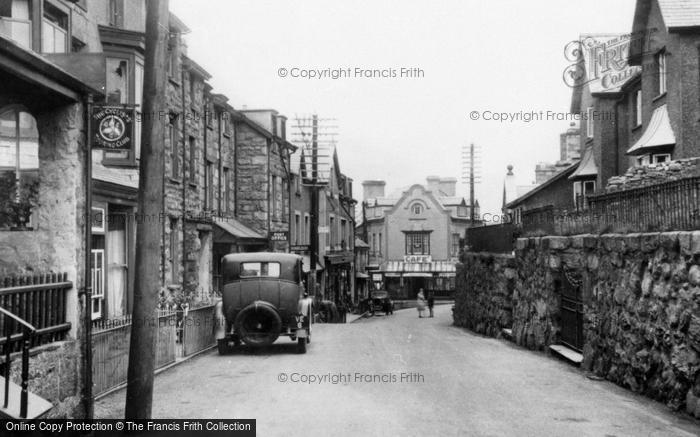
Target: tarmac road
point(401, 375)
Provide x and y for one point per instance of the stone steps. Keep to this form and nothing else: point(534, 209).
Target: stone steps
point(567, 353)
point(36, 406)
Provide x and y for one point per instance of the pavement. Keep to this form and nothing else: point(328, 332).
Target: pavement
point(401, 375)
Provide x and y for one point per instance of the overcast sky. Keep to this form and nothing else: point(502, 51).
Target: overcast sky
point(476, 55)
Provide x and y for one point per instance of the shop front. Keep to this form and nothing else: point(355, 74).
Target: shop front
point(404, 279)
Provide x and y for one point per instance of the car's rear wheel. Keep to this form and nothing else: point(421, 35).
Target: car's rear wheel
point(301, 345)
point(258, 324)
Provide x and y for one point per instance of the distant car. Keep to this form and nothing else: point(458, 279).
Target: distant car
point(379, 301)
point(263, 299)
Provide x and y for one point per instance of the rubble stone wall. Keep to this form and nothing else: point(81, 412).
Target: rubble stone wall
point(485, 284)
point(641, 297)
point(643, 175)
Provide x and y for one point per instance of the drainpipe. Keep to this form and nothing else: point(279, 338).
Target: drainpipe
point(88, 404)
point(184, 178)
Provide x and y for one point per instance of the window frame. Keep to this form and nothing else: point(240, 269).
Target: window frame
point(55, 8)
point(132, 156)
point(410, 242)
point(192, 161)
point(590, 122)
point(638, 108)
point(16, 111)
point(662, 71)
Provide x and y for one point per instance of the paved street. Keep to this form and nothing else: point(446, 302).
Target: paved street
point(457, 383)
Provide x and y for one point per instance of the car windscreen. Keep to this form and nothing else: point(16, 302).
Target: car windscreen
point(260, 270)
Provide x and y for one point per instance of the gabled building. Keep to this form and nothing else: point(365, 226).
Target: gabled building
point(665, 35)
point(414, 236)
point(335, 269)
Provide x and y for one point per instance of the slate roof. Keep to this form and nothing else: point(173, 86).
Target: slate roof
point(680, 13)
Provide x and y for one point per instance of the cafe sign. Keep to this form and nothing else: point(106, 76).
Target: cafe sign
point(113, 128)
point(417, 259)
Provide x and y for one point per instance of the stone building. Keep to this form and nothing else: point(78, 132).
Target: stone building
point(262, 175)
point(336, 273)
point(414, 236)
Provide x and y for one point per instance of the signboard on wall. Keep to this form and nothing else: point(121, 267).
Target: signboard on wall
point(113, 127)
point(417, 258)
point(278, 236)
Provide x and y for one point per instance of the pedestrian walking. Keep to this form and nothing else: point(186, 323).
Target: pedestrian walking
point(431, 302)
point(420, 301)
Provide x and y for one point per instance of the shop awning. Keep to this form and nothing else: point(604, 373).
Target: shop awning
point(429, 267)
point(587, 168)
point(658, 133)
point(232, 231)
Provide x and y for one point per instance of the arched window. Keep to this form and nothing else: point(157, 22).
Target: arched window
point(417, 209)
point(19, 166)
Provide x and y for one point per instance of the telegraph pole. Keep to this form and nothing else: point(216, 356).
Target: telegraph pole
point(139, 392)
point(471, 175)
point(313, 240)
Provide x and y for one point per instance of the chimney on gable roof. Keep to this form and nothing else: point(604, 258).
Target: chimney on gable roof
point(448, 186)
point(373, 189)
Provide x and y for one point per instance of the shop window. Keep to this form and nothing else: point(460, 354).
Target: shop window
point(15, 21)
point(307, 229)
point(54, 30)
point(297, 228)
point(417, 243)
point(19, 167)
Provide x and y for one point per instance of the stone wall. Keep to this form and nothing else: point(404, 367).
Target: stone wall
point(483, 300)
point(641, 297)
point(55, 375)
point(644, 175)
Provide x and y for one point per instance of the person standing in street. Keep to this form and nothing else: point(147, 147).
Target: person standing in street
point(420, 301)
point(431, 303)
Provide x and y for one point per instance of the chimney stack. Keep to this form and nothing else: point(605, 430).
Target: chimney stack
point(448, 186)
point(373, 189)
point(433, 184)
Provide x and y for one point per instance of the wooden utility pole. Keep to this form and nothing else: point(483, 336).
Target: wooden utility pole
point(139, 392)
point(313, 240)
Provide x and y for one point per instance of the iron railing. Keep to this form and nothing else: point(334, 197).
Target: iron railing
point(40, 300)
point(668, 206)
point(28, 331)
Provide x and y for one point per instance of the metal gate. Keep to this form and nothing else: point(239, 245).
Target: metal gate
point(571, 309)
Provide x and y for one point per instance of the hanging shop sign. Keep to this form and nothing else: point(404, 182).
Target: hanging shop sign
point(278, 236)
point(113, 127)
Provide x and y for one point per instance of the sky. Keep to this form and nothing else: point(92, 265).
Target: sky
point(476, 59)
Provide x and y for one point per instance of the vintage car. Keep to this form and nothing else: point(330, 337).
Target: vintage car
point(379, 301)
point(262, 299)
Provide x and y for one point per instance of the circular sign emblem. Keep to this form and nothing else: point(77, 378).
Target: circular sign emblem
point(112, 128)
